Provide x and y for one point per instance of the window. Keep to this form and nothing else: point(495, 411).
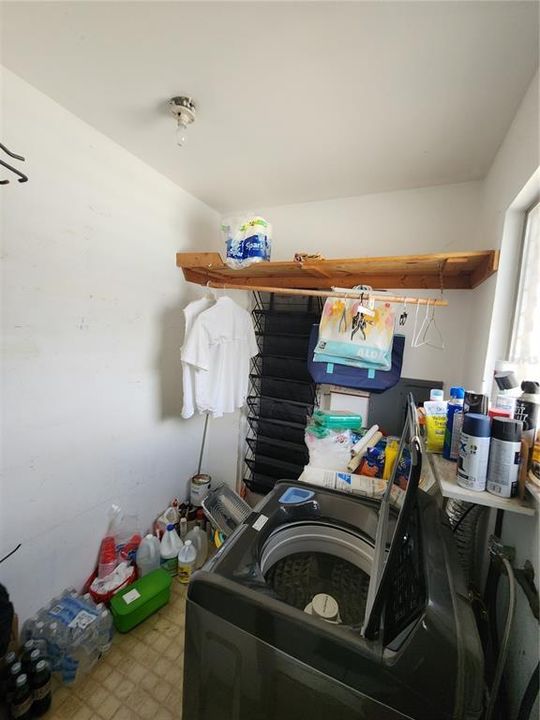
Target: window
point(525, 344)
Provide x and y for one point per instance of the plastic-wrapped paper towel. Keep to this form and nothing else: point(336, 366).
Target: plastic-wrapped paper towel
point(247, 240)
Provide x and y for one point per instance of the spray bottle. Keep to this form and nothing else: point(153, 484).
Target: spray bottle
point(454, 423)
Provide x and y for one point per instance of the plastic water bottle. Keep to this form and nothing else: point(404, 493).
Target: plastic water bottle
point(56, 645)
point(187, 558)
point(73, 641)
point(89, 600)
point(28, 629)
point(200, 542)
point(148, 555)
point(169, 548)
point(105, 629)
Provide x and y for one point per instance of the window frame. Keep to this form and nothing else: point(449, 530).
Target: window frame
point(519, 289)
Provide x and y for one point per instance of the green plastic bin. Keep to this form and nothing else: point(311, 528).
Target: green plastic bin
point(141, 599)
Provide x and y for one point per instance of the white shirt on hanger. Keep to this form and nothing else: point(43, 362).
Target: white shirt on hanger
point(219, 346)
point(191, 312)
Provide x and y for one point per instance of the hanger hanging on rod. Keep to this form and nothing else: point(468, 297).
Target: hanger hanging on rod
point(437, 340)
point(429, 326)
point(414, 335)
point(417, 337)
point(337, 293)
point(22, 177)
point(403, 315)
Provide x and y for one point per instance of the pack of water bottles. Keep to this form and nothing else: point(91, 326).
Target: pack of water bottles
point(72, 633)
point(248, 240)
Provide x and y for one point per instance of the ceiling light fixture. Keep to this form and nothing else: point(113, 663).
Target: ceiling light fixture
point(183, 109)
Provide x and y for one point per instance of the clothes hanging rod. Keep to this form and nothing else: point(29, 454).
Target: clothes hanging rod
point(354, 294)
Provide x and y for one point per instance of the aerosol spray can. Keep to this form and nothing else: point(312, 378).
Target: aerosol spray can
point(474, 452)
point(504, 457)
point(528, 410)
point(475, 403)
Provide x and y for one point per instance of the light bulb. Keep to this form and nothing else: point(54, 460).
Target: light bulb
point(181, 133)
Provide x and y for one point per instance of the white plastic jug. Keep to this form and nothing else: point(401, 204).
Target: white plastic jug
point(186, 562)
point(169, 548)
point(200, 541)
point(148, 555)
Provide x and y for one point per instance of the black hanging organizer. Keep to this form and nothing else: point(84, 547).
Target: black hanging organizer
point(282, 393)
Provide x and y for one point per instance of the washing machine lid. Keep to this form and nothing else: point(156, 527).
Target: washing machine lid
point(379, 584)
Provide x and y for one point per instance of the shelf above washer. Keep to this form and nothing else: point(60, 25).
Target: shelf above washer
point(463, 270)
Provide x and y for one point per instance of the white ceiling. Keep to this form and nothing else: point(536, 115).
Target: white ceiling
point(297, 101)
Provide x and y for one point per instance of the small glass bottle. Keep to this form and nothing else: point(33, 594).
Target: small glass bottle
point(20, 706)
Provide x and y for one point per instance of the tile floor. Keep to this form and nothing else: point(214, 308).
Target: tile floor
point(141, 676)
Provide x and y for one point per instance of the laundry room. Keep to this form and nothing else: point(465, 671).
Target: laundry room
point(270, 360)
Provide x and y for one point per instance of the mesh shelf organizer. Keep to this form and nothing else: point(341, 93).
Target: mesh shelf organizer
point(282, 394)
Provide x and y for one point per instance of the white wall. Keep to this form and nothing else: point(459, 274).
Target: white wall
point(92, 326)
point(424, 220)
point(506, 191)
point(510, 186)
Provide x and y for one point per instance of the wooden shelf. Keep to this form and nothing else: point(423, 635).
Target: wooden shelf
point(444, 472)
point(458, 271)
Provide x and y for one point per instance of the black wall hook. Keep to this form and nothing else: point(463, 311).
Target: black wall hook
point(11, 154)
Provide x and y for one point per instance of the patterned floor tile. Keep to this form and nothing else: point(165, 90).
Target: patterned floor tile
point(139, 679)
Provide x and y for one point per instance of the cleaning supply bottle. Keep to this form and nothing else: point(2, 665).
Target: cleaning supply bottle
point(528, 410)
point(474, 452)
point(435, 411)
point(390, 457)
point(148, 555)
point(504, 457)
point(187, 558)
point(200, 542)
point(169, 548)
point(454, 423)
point(183, 527)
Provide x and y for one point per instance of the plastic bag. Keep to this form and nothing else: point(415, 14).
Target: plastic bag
point(102, 589)
point(347, 333)
point(247, 240)
point(125, 530)
point(329, 449)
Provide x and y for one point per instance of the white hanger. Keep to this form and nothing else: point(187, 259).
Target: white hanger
point(438, 341)
point(211, 292)
point(413, 338)
point(417, 339)
point(428, 322)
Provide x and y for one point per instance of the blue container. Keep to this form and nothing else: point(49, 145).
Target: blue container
point(474, 452)
point(454, 422)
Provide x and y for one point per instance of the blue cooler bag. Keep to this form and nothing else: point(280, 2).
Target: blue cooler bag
point(375, 381)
